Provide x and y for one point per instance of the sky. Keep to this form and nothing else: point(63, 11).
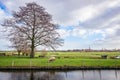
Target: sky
point(83, 23)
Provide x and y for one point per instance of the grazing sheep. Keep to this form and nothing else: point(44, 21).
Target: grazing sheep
point(51, 59)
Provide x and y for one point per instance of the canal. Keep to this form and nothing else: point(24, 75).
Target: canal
point(61, 75)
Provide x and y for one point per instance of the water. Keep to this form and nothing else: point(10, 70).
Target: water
point(62, 75)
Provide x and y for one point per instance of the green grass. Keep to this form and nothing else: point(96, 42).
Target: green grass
point(8, 61)
point(90, 59)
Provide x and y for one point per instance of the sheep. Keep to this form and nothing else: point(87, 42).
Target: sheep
point(51, 59)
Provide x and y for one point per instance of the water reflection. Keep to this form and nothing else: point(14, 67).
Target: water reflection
point(65, 75)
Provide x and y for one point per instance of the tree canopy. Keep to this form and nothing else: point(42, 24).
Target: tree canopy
point(32, 25)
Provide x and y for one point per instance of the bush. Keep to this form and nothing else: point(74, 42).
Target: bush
point(112, 57)
point(2, 54)
point(104, 56)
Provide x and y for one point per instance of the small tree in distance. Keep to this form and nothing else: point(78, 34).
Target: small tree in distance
point(18, 42)
point(35, 25)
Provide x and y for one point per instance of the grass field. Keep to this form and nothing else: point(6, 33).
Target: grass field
point(81, 55)
point(90, 59)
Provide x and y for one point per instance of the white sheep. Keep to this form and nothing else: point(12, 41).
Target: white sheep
point(51, 59)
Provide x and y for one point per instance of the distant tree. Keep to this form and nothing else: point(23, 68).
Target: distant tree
point(19, 42)
point(35, 24)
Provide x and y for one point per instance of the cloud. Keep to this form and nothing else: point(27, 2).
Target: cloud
point(87, 17)
point(78, 32)
point(4, 43)
point(69, 12)
point(85, 13)
point(2, 14)
point(62, 10)
point(63, 33)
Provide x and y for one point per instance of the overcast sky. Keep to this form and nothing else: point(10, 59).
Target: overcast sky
point(83, 23)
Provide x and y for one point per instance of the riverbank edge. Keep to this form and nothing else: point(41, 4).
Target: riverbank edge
point(59, 68)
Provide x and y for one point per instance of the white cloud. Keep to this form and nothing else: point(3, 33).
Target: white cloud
point(113, 3)
point(95, 16)
point(62, 10)
point(113, 31)
point(63, 33)
point(79, 32)
point(2, 14)
point(108, 44)
point(85, 13)
point(68, 12)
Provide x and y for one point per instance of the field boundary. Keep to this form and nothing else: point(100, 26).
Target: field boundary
point(60, 68)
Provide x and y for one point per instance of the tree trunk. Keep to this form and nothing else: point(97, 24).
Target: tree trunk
point(32, 48)
point(33, 36)
point(18, 52)
point(32, 52)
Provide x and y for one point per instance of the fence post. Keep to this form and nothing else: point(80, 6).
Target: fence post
point(30, 63)
point(13, 63)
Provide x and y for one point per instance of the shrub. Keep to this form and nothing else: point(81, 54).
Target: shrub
point(112, 57)
point(104, 56)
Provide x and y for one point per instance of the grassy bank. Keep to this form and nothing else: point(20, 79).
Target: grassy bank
point(75, 59)
point(24, 61)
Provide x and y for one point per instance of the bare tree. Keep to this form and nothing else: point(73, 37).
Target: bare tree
point(36, 25)
point(19, 42)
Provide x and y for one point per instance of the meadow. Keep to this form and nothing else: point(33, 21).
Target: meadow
point(79, 59)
